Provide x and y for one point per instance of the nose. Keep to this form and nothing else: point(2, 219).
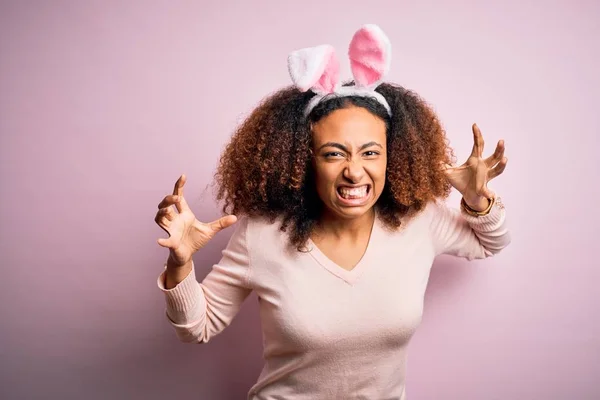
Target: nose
point(354, 171)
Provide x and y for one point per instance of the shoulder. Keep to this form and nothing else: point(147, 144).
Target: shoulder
point(427, 213)
point(261, 232)
point(418, 222)
point(438, 208)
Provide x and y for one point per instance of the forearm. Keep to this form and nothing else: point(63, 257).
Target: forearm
point(459, 233)
point(490, 226)
point(201, 310)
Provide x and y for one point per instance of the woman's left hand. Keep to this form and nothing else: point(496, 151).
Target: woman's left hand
point(471, 178)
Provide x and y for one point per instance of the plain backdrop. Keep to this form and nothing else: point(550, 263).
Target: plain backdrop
point(103, 104)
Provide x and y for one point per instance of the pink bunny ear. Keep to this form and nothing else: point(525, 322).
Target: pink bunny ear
point(315, 68)
point(370, 54)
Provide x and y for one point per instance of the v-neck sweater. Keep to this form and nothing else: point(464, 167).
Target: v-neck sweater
point(328, 332)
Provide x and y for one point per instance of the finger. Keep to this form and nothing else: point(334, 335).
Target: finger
point(169, 200)
point(182, 204)
point(222, 223)
point(167, 212)
point(160, 215)
point(168, 243)
point(498, 169)
point(162, 220)
point(477, 142)
point(497, 156)
point(178, 191)
point(445, 166)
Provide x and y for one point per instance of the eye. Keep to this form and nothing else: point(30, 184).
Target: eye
point(333, 154)
point(371, 153)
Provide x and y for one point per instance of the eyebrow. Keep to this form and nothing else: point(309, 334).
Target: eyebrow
point(344, 148)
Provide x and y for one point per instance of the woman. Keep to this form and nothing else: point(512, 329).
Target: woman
point(337, 189)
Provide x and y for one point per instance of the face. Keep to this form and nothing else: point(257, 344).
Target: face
point(349, 147)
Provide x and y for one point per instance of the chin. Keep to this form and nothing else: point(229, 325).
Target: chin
point(353, 213)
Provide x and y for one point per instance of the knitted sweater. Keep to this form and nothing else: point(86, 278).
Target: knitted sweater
point(328, 332)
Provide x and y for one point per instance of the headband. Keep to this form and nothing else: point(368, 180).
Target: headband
point(318, 69)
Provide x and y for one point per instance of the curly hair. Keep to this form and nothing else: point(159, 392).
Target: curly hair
point(266, 169)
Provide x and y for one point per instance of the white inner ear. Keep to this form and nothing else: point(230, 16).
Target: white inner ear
point(306, 66)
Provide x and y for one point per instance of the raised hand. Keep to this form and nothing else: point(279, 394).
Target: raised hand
point(186, 234)
point(471, 178)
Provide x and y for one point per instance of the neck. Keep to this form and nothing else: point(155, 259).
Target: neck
point(341, 228)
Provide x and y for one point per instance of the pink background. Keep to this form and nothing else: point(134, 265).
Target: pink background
point(103, 104)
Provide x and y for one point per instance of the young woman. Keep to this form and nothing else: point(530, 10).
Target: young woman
point(339, 191)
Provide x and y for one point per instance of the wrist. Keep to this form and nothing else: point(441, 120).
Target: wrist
point(173, 263)
point(176, 273)
point(477, 204)
point(477, 213)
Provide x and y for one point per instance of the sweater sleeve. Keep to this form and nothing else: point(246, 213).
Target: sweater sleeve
point(199, 311)
point(457, 233)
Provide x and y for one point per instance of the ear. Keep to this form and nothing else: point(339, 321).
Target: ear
point(315, 68)
point(370, 55)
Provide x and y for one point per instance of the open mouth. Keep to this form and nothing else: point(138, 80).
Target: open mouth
point(354, 194)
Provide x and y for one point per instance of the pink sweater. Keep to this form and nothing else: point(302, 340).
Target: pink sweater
point(329, 333)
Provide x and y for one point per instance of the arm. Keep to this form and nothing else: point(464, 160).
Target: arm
point(457, 233)
point(199, 311)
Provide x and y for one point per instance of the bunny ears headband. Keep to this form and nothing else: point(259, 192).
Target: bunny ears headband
point(318, 69)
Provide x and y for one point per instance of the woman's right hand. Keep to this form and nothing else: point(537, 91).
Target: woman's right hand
point(186, 234)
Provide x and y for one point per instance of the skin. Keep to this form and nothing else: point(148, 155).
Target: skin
point(186, 234)
point(471, 178)
point(348, 149)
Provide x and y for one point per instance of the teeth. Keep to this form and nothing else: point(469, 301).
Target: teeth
point(353, 193)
